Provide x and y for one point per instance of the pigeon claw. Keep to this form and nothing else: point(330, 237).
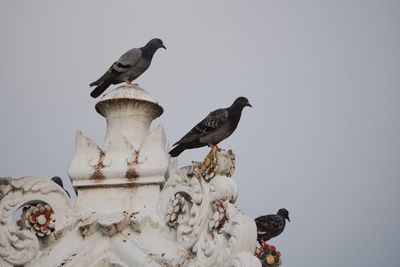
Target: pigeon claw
point(210, 157)
point(207, 161)
point(214, 149)
point(130, 84)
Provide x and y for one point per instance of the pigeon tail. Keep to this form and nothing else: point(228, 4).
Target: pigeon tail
point(100, 89)
point(106, 76)
point(176, 151)
point(94, 83)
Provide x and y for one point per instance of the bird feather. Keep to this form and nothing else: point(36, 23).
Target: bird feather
point(214, 120)
point(126, 61)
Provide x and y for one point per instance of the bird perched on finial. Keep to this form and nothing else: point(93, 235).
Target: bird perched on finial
point(269, 226)
point(217, 126)
point(128, 67)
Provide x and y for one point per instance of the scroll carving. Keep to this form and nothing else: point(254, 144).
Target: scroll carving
point(19, 247)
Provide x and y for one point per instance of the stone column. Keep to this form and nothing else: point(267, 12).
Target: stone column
point(126, 174)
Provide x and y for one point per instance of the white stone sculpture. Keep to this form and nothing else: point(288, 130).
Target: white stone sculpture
point(126, 213)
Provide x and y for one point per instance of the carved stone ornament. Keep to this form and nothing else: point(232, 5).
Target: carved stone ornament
point(268, 255)
point(175, 210)
point(38, 218)
point(211, 227)
point(126, 213)
point(130, 149)
point(218, 164)
point(20, 247)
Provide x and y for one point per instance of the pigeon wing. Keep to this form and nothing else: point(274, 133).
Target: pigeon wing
point(268, 224)
point(126, 62)
point(210, 123)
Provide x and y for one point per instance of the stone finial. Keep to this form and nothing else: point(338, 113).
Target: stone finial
point(129, 112)
point(130, 149)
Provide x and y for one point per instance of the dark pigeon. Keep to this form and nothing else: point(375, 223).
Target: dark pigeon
point(59, 182)
point(217, 126)
point(269, 226)
point(128, 67)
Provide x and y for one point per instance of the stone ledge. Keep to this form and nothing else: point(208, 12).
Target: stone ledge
point(118, 182)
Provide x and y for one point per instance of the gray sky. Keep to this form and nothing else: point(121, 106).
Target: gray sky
point(322, 139)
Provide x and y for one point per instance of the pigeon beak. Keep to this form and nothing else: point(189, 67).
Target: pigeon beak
point(249, 105)
point(163, 46)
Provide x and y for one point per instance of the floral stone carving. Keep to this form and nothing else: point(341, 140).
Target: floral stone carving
point(268, 255)
point(219, 215)
point(211, 226)
point(39, 219)
point(175, 210)
point(19, 247)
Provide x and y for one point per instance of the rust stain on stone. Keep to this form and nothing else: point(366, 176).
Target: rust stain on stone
point(131, 172)
point(84, 230)
point(97, 170)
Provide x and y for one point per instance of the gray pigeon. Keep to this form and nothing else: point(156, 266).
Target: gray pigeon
point(269, 226)
point(128, 67)
point(217, 126)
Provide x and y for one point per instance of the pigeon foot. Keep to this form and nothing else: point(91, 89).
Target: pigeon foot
point(210, 157)
point(214, 149)
point(130, 84)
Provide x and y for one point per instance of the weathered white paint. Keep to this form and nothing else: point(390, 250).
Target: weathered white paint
point(129, 112)
point(120, 217)
point(139, 198)
point(130, 150)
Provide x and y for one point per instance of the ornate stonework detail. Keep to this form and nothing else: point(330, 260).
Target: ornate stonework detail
point(88, 160)
point(211, 227)
point(131, 150)
point(268, 255)
point(126, 213)
point(219, 215)
point(221, 163)
point(175, 210)
point(19, 247)
point(39, 219)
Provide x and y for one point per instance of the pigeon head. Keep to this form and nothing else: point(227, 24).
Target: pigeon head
point(155, 44)
point(284, 213)
point(57, 180)
point(241, 102)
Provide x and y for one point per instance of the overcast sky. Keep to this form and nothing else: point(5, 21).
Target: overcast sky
point(322, 138)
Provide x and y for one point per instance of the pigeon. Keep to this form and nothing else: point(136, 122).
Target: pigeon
point(59, 182)
point(217, 126)
point(128, 67)
point(269, 226)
